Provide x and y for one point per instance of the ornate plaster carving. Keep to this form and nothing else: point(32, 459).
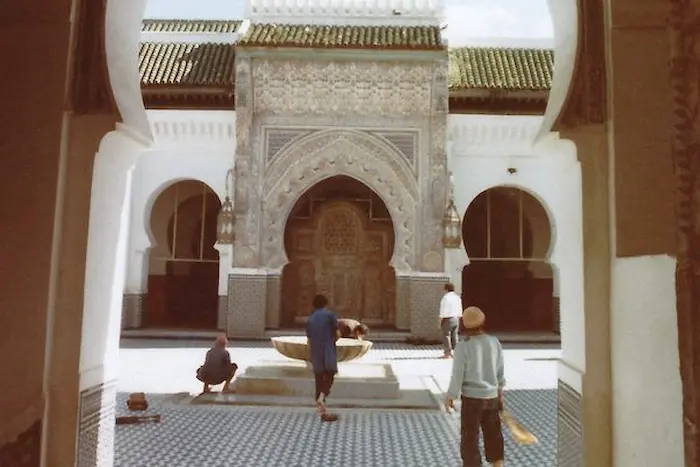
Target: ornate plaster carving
point(587, 100)
point(685, 83)
point(335, 87)
point(435, 179)
point(329, 153)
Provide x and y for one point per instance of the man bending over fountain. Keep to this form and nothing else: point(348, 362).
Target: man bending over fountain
point(322, 333)
point(352, 329)
point(217, 366)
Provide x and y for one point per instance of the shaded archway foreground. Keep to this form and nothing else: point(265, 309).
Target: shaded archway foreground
point(507, 235)
point(183, 270)
point(339, 239)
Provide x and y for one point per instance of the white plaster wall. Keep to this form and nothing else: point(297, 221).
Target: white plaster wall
point(646, 381)
point(108, 235)
point(190, 145)
point(481, 150)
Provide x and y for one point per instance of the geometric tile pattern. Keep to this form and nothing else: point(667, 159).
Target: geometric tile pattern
point(246, 304)
point(426, 293)
point(261, 436)
point(212, 435)
point(96, 435)
point(570, 428)
point(133, 308)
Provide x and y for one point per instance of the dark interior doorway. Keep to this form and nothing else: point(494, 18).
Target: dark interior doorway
point(183, 275)
point(507, 235)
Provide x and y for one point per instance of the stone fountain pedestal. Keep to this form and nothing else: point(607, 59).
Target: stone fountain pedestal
point(355, 380)
point(289, 379)
point(358, 385)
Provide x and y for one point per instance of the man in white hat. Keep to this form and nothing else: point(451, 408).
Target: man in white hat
point(478, 376)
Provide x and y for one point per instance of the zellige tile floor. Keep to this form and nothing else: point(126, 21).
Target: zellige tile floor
point(230, 436)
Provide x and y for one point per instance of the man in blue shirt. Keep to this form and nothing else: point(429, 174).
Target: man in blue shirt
point(478, 375)
point(322, 333)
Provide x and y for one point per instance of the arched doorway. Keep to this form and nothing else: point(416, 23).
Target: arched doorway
point(507, 235)
point(339, 240)
point(183, 263)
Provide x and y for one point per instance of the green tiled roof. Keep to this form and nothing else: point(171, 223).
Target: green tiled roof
point(350, 37)
point(500, 69)
point(187, 64)
point(190, 26)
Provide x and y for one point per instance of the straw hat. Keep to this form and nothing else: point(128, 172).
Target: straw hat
point(473, 317)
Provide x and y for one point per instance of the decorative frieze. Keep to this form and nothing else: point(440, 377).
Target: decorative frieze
point(481, 135)
point(345, 87)
point(347, 12)
point(175, 128)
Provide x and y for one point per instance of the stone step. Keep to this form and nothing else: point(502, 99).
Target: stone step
point(353, 381)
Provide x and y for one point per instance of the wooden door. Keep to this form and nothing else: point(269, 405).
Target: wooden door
point(336, 254)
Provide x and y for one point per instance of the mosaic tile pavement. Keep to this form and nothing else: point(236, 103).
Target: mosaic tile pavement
point(231, 436)
point(257, 436)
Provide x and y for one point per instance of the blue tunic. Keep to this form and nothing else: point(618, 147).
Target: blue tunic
point(321, 330)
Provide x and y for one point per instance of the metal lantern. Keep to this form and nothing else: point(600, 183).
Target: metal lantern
point(452, 225)
point(225, 223)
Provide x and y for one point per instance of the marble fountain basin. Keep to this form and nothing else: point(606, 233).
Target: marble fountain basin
point(297, 348)
point(372, 381)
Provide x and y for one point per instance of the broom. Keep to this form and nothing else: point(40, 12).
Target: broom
point(519, 433)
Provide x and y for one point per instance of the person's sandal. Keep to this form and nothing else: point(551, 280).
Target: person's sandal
point(329, 417)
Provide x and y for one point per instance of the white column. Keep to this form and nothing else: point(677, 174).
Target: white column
point(105, 272)
point(646, 383)
point(455, 260)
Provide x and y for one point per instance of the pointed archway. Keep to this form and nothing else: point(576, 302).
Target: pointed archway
point(339, 239)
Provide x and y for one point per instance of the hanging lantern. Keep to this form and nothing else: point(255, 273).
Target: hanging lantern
point(452, 225)
point(225, 223)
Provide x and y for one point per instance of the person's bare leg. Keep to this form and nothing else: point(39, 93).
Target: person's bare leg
point(207, 389)
point(321, 404)
point(227, 385)
point(498, 464)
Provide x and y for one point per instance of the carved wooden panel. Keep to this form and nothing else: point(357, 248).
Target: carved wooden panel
point(587, 101)
point(342, 253)
point(685, 83)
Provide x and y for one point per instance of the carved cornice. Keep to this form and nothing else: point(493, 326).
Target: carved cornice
point(200, 128)
point(188, 98)
point(377, 12)
point(685, 84)
point(492, 135)
point(587, 99)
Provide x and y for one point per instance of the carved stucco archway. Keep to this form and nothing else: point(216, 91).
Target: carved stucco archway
point(325, 154)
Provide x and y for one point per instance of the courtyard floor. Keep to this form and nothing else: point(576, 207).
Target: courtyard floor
point(231, 436)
